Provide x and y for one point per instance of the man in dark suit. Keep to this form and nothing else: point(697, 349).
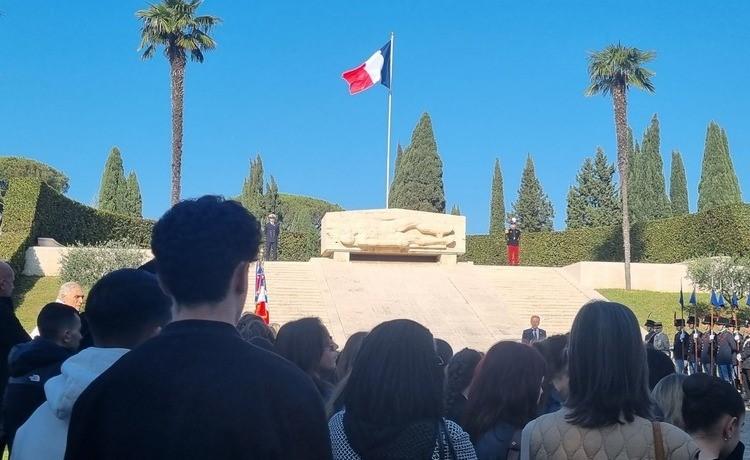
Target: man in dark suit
point(271, 232)
point(534, 334)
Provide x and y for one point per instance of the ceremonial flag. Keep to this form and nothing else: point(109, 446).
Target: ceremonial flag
point(261, 293)
point(682, 299)
point(714, 299)
point(720, 300)
point(693, 298)
point(376, 69)
point(748, 300)
point(735, 300)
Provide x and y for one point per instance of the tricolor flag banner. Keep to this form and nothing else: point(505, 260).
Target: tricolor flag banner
point(261, 293)
point(377, 69)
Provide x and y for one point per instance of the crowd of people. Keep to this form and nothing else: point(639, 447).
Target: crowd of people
point(174, 370)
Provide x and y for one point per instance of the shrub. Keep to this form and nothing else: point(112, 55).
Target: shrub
point(298, 246)
point(86, 264)
point(719, 231)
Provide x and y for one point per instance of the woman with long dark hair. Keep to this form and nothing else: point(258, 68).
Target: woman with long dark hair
point(394, 401)
point(713, 413)
point(458, 377)
point(608, 411)
point(554, 350)
point(344, 365)
point(503, 398)
point(307, 343)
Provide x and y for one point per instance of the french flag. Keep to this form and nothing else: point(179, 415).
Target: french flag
point(377, 69)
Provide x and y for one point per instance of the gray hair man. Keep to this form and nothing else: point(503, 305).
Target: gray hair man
point(70, 294)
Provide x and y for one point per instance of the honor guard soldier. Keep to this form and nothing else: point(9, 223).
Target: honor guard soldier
point(650, 333)
point(661, 341)
point(694, 346)
point(708, 348)
point(681, 345)
point(726, 348)
point(745, 357)
point(513, 240)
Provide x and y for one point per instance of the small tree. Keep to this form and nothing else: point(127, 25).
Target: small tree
point(726, 275)
point(455, 210)
point(649, 198)
point(593, 201)
point(113, 188)
point(134, 202)
point(396, 184)
point(718, 185)
point(533, 207)
point(272, 198)
point(678, 192)
point(497, 201)
point(86, 264)
point(252, 196)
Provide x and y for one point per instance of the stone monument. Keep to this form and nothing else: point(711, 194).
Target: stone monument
point(393, 232)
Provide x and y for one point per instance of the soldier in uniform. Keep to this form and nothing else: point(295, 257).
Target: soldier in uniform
point(680, 348)
point(694, 347)
point(736, 359)
point(272, 231)
point(745, 357)
point(650, 333)
point(708, 348)
point(513, 239)
point(661, 341)
point(726, 348)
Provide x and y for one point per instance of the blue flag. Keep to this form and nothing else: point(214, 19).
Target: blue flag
point(714, 300)
point(735, 300)
point(748, 300)
point(694, 299)
point(720, 300)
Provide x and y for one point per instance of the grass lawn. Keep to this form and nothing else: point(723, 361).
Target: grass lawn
point(661, 306)
point(31, 294)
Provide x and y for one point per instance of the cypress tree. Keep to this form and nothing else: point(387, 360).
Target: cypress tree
point(718, 185)
point(455, 210)
point(272, 198)
point(252, 190)
point(113, 188)
point(594, 201)
point(497, 201)
point(419, 179)
point(397, 178)
point(533, 209)
point(678, 192)
point(648, 199)
point(134, 202)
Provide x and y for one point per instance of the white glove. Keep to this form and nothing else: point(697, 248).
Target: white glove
point(695, 335)
point(711, 336)
point(739, 358)
point(736, 337)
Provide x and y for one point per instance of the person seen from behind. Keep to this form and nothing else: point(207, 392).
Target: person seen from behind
point(458, 377)
point(659, 366)
point(255, 331)
point(668, 396)
point(394, 401)
point(32, 364)
point(503, 398)
point(714, 415)
point(307, 343)
point(125, 308)
point(344, 365)
point(554, 350)
point(609, 398)
point(197, 390)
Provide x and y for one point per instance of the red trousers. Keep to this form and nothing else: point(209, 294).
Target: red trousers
point(513, 257)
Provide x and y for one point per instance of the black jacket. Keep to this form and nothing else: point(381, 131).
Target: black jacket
point(198, 391)
point(746, 353)
point(695, 343)
point(11, 334)
point(31, 365)
point(708, 347)
point(528, 336)
point(680, 345)
point(272, 232)
point(726, 348)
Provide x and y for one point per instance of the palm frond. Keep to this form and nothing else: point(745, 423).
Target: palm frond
point(617, 65)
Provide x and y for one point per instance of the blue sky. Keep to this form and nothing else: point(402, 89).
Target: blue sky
point(499, 78)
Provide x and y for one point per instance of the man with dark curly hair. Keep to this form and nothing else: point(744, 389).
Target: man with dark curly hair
point(198, 390)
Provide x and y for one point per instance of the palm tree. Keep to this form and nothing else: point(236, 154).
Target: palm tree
point(174, 25)
point(614, 70)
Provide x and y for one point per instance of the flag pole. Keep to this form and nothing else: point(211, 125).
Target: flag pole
point(388, 145)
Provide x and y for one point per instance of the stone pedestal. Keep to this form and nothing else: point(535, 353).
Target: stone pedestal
point(393, 232)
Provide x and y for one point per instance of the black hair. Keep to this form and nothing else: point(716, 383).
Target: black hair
point(199, 243)
point(606, 391)
point(251, 326)
point(123, 304)
point(459, 373)
point(345, 360)
point(396, 377)
point(54, 318)
point(303, 342)
point(554, 350)
point(706, 399)
point(444, 350)
point(659, 366)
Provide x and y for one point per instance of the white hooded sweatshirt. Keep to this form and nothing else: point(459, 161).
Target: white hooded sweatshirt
point(44, 435)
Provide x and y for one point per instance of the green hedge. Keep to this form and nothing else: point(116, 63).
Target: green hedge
point(720, 231)
point(33, 209)
point(298, 246)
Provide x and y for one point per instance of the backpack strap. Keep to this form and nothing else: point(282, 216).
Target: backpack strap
point(658, 442)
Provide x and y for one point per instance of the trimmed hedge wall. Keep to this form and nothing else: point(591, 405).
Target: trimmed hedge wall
point(33, 209)
point(720, 231)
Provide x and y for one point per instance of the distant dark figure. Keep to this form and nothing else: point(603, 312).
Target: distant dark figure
point(513, 241)
point(556, 380)
point(307, 343)
point(458, 377)
point(11, 333)
point(714, 414)
point(197, 390)
point(503, 398)
point(31, 364)
point(444, 350)
point(272, 231)
point(659, 366)
point(534, 333)
point(394, 401)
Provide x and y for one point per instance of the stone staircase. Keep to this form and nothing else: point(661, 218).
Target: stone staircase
point(464, 304)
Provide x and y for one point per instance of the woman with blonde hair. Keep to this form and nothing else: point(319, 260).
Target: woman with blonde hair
point(668, 396)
